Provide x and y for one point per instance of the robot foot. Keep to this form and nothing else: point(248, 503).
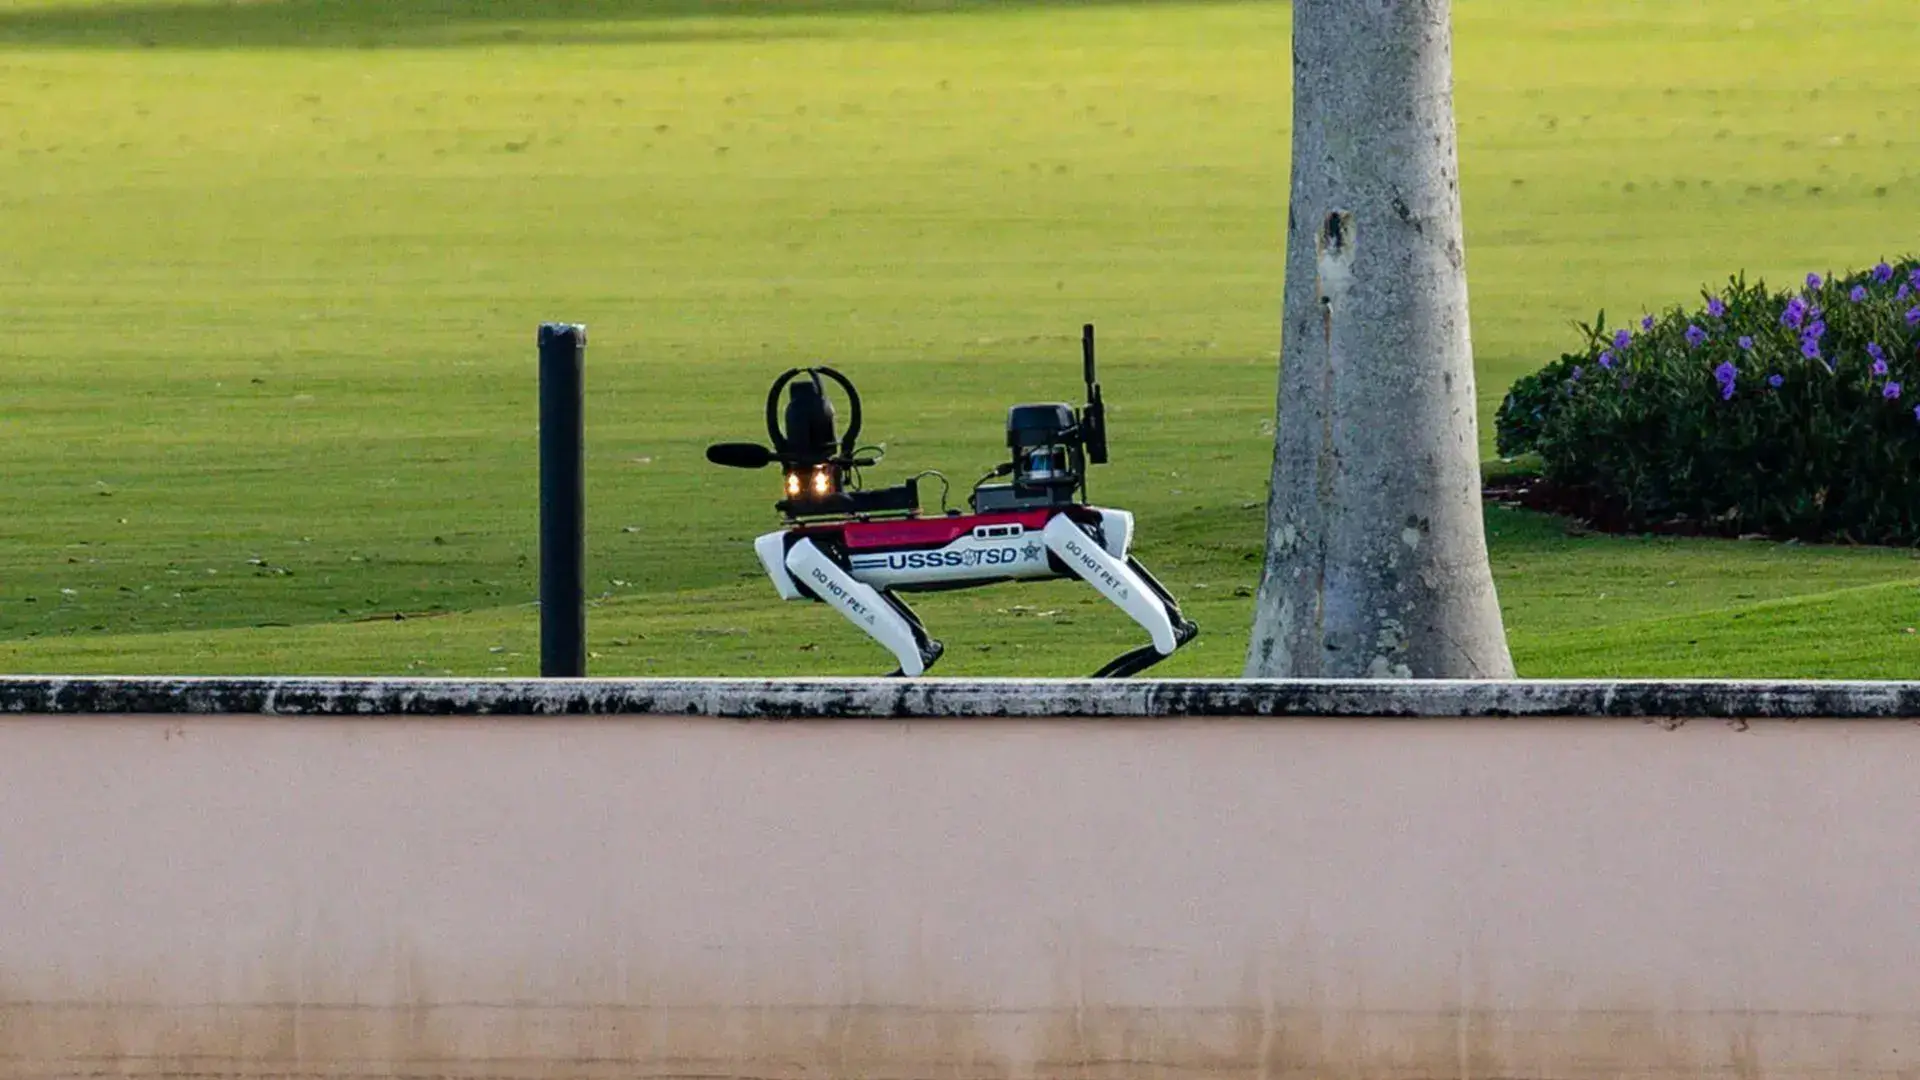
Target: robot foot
point(928, 654)
point(1144, 657)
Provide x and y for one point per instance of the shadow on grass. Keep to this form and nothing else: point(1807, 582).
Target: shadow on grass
point(224, 24)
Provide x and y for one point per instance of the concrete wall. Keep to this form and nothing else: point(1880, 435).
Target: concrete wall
point(653, 896)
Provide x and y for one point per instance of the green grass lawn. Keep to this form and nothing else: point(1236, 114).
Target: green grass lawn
point(270, 275)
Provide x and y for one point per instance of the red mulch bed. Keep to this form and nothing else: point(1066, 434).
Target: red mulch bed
point(1590, 514)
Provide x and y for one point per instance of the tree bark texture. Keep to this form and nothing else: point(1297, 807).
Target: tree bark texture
point(1376, 563)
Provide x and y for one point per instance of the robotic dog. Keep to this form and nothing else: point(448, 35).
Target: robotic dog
point(857, 550)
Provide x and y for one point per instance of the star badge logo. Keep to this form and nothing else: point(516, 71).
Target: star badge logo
point(1030, 553)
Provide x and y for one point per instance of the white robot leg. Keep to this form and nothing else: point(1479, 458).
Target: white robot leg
point(880, 617)
point(1130, 588)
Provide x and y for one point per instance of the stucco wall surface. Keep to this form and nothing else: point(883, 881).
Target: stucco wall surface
point(660, 896)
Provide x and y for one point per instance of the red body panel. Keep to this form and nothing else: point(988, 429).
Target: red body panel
point(922, 532)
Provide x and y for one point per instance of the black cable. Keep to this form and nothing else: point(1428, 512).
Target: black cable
point(879, 455)
point(1001, 469)
point(943, 484)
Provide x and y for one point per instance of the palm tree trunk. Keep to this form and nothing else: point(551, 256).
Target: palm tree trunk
point(1376, 559)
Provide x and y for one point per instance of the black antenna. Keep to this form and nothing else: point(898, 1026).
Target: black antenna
point(1093, 421)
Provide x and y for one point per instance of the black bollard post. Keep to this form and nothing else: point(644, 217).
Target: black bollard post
point(563, 501)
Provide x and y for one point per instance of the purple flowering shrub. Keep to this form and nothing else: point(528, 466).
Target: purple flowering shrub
point(1782, 413)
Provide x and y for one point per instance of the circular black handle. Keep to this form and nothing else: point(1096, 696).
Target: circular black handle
point(847, 442)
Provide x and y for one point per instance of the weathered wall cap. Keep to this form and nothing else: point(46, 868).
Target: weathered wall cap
point(856, 698)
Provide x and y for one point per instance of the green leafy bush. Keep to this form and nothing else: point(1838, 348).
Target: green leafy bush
point(1793, 414)
point(1531, 402)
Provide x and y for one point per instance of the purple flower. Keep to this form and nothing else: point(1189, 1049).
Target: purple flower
point(1695, 335)
point(1891, 391)
point(1795, 313)
point(1874, 350)
point(1606, 359)
point(1810, 348)
point(1858, 294)
point(1622, 338)
point(1775, 381)
point(1883, 273)
point(1716, 307)
point(1913, 277)
point(1813, 281)
point(1746, 343)
point(1647, 323)
point(1906, 290)
point(1879, 367)
point(1913, 316)
point(1816, 330)
point(1916, 412)
point(1725, 375)
point(1577, 372)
